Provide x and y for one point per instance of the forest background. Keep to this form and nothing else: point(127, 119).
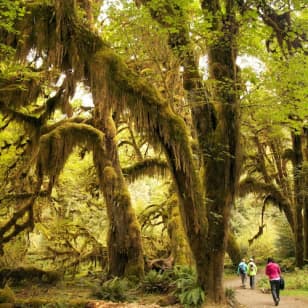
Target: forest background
point(171, 130)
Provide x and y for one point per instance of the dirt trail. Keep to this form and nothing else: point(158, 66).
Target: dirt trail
point(257, 299)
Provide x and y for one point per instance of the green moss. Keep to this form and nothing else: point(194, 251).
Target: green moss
point(7, 295)
point(109, 174)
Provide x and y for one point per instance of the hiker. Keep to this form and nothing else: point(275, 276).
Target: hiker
point(242, 271)
point(273, 272)
point(252, 272)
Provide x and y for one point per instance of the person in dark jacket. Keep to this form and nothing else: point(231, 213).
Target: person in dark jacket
point(273, 272)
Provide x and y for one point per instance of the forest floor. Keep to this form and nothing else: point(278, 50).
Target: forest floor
point(244, 298)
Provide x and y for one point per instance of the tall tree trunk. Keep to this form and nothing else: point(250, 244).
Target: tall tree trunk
point(220, 145)
point(306, 230)
point(125, 253)
point(298, 199)
point(233, 249)
point(179, 245)
point(305, 171)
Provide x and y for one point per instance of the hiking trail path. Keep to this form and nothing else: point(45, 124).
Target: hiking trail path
point(255, 298)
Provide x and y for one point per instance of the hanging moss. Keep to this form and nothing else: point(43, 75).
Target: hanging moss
point(57, 145)
point(147, 167)
point(113, 82)
point(109, 174)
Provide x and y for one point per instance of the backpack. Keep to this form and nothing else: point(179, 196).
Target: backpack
point(281, 283)
point(241, 269)
point(251, 267)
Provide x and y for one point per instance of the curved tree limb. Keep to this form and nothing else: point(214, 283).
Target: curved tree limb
point(251, 185)
point(147, 166)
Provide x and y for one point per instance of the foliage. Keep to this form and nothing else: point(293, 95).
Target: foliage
point(287, 264)
point(230, 293)
point(156, 282)
point(114, 290)
point(284, 240)
point(297, 279)
point(7, 295)
point(15, 252)
point(188, 291)
point(246, 219)
point(10, 12)
point(263, 283)
point(22, 276)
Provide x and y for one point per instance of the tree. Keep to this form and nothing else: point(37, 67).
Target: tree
point(284, 89)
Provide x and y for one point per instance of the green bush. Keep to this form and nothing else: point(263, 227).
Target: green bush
point(7, 295)
point(155, 282)
point(230, 293)
point(287, 265)
point(188, 291)
point(263, 283)
point(297, 279)
point(113, 290)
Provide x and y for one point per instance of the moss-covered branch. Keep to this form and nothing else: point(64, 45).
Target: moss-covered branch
point(30, 121)
point(57, 145)
point(20, 221)
point(147, 167)
point(274, 195)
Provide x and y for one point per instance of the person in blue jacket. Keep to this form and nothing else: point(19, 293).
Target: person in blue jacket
point(242, 272)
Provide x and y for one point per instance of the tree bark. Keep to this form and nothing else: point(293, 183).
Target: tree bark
point(233, 249)
point(299, 199)
point(305, 171)
point(179, 244)
point(125, 252)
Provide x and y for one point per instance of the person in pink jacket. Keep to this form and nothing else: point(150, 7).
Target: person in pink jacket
point(273, 272)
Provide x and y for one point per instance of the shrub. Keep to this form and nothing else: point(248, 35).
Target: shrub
point(188, 291)
point(155, 282)
point(113, 290)
point(263, 283)
point(7, 295)
point(230, 293)
point(297, 280)
point(287, 265)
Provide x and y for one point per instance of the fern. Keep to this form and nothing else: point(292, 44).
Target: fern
point(114, 290)
point(155, 282)
point(188, 291)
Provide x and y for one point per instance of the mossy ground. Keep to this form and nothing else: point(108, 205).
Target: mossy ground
point(75, 293)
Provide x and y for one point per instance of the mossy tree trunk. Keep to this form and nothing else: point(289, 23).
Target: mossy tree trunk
point(299, 199)
point(125, 252)
point(306, 229)
point(219, 143)
point(305, 174)
point(179, 245)
point(233, 249)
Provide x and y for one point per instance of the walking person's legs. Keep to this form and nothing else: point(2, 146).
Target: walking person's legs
point(275, 291)
point(243, 278)
point(252, 282)
point(278, 289)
